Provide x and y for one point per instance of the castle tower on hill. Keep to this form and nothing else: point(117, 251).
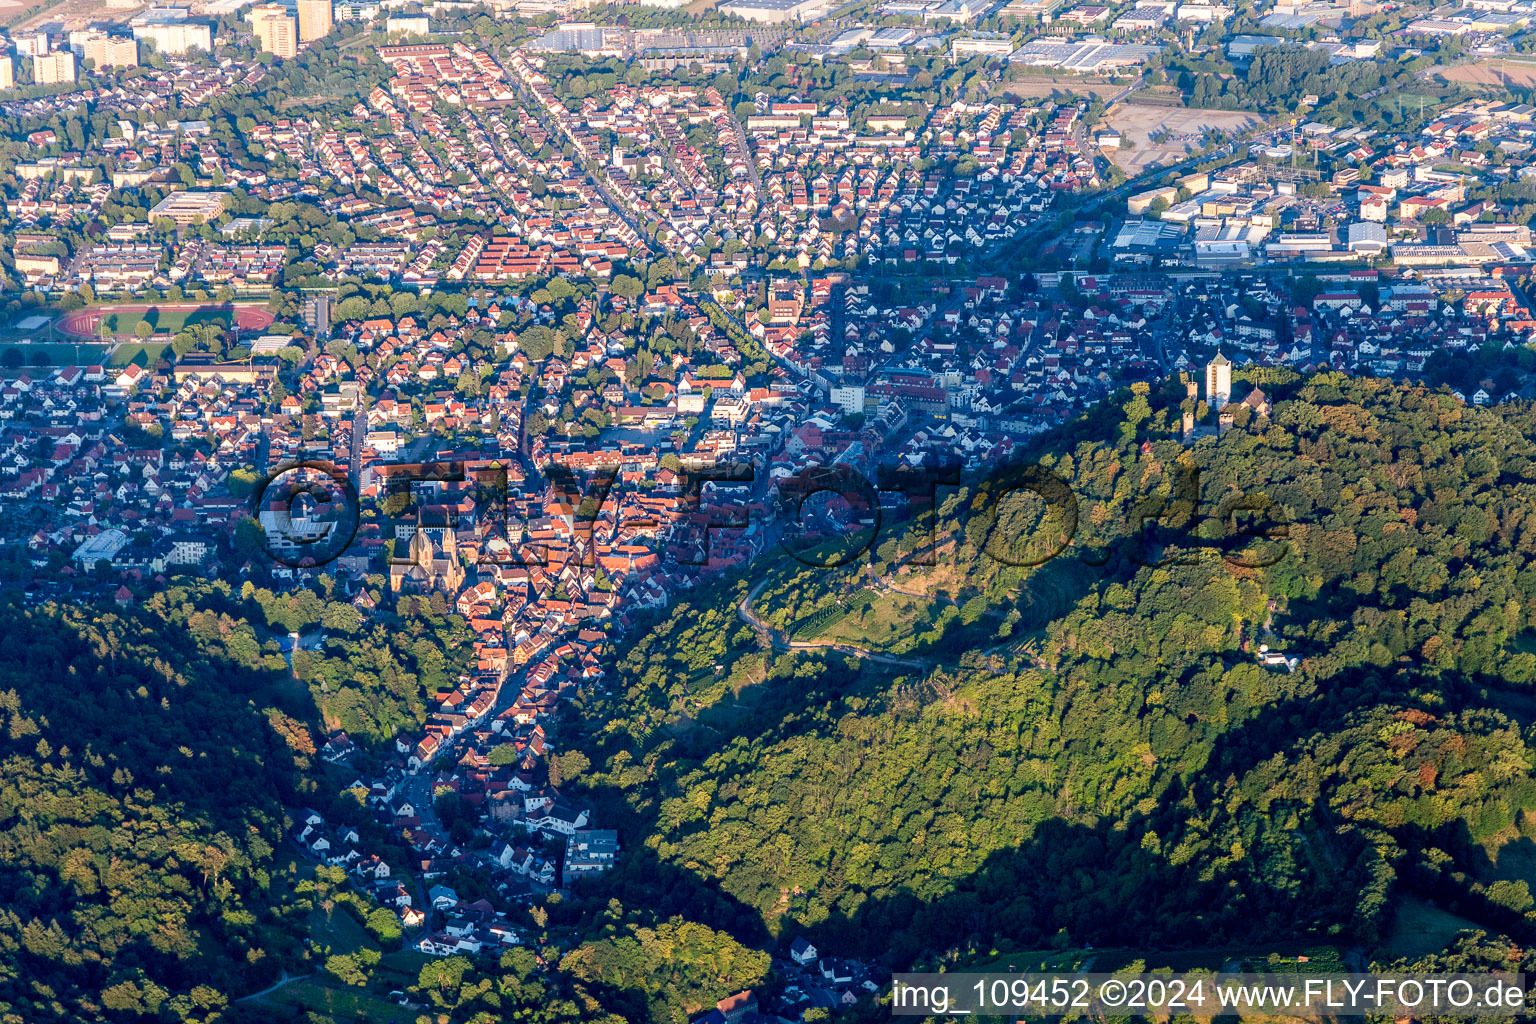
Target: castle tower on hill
point(1218, 382)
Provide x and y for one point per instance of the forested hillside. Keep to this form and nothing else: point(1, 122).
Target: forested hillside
point(149, 756)
point(140, 803)
point(1092, 744)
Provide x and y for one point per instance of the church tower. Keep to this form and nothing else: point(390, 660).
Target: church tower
point(421, 548)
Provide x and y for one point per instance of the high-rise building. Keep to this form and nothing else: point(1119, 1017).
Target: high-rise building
point(7, 73)
point(34, 44)
point(314, 20)
point(1218, 382)
point(110, 51)
point(276, 30)
point(53, 68)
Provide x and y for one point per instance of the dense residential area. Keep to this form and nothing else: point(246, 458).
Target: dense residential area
point(672, 513)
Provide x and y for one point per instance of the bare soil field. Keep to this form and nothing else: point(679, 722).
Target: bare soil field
point(1519, 74)
point(1183, 125)
point(70, 13)
point(1044, 85)
point(1037, 90)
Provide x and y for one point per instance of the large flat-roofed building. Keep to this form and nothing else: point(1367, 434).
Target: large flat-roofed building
point(366, 10)
point(1368, 238)
point(584, 38)
point(1087, 55)
point(998, 45)
point(408, 25)
point(776, 12)
point(190, 207)
point(101, 548)
point(7, 74)
point(1030, 8)
point(169, 30)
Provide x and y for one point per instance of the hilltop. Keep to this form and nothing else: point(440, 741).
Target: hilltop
point(1154, 739)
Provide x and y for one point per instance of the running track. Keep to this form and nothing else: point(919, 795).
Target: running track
point(83, 323)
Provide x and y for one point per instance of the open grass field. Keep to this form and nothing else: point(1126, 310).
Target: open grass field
point(311, 995)
point(1421, 928)
point(1031, 960)
point(400, 969)
point(135, 353)
point(163, 321)
point(882, 622)
point(1184, 127)
point(1255, 960)
point(321, 993)
point(341, 933)
point(1511, 854)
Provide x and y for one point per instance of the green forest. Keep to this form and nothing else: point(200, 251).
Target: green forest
point(1090, 750)
point(141, 799)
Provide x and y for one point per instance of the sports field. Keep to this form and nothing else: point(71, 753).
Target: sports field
point(135, 353)
point(123, 320)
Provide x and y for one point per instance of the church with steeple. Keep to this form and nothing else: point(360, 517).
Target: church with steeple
point(426, 568)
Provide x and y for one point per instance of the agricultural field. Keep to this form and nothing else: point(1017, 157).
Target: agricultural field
point(1179, 129)
point(879, 621)
point(1034, 89)
point(1506, 74)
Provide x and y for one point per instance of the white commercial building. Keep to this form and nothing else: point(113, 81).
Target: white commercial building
point(849, 397)
point(1367, 238)
point(776, 12)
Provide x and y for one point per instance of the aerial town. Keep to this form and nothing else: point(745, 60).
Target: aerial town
point(611, 249)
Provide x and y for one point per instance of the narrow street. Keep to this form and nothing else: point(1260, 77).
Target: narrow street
point(359, 431)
